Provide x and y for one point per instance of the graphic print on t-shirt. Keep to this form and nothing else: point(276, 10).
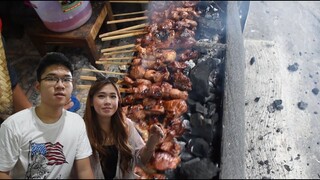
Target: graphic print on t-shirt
point(41, 157)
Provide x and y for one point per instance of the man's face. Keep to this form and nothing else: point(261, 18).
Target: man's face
point(55, 86)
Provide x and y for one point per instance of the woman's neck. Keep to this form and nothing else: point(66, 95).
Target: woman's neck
point(105, 124)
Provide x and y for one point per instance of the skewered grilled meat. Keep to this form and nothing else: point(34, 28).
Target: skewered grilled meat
point(128, 81)
point(177, 66)
point(162, 90)
point(157, 76)
point(164, 160)
point(181, 81)
point(137, 72)
point(136, 113)
point(153, 106)
point(156, 85)
point(175, 108)
point(187, 55)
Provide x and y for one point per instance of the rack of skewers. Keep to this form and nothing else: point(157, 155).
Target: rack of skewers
point(155, 86)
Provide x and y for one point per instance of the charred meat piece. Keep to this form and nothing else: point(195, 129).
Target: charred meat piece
point(181, 81)
point(137, 72)
point(136, 113)
point(175, 108)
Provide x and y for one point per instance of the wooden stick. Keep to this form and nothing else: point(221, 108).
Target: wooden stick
point(89, 78)
point(119, 52)
point(94, 70)
point(88, 87)
point(113, 63)
point(101, 71)
point(127, 20)
point(123, 29)
point(132, 13)
point(82, 86)
point(126, 32)
point(92, 78)
point(118, 48)
point(117, 58)
point(122, 36)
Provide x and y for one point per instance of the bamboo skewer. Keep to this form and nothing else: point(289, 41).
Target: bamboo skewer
point(124, 29)
point(118, 58)
point(89, 78)
point(88, 87)
point(132, 13)
point(81, 86)
point(119, 52)
point(113, 63)
point(101, 71)
point(126, 32)
point(118, 48)
point(122, 36)
point(92, 78)
point(127, 20)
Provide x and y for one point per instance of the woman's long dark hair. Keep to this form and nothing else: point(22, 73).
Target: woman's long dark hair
point(119, 127)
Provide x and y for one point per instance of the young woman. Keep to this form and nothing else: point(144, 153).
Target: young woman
point(116, 144)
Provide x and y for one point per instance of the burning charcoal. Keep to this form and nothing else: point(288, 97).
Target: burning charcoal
point(315, 91)
point(170, 174)
point(202, 127)
point(185, 156)
point(215, 118)
point(206, 132)
point(252, 60)
point(302, 105)
point(293, 67)
point(198, 169)
point(197, 107)
point(199, 78)
point(196, 119)
point(198, 147)
point(211, 109)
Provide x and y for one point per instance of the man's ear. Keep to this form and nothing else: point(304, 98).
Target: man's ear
point(37, 86)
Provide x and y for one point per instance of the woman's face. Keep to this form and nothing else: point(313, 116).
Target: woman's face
point(105, 102)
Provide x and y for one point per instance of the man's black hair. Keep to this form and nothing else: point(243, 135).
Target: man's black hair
point(53, 58)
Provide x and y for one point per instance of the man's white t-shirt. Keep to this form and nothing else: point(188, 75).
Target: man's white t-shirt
point(30, 148)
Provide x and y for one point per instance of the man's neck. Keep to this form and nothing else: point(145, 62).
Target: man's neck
point(48, 115)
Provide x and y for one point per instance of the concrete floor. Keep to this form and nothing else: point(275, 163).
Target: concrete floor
point(282, 143)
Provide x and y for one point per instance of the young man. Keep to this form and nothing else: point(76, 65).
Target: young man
point(46, 141)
